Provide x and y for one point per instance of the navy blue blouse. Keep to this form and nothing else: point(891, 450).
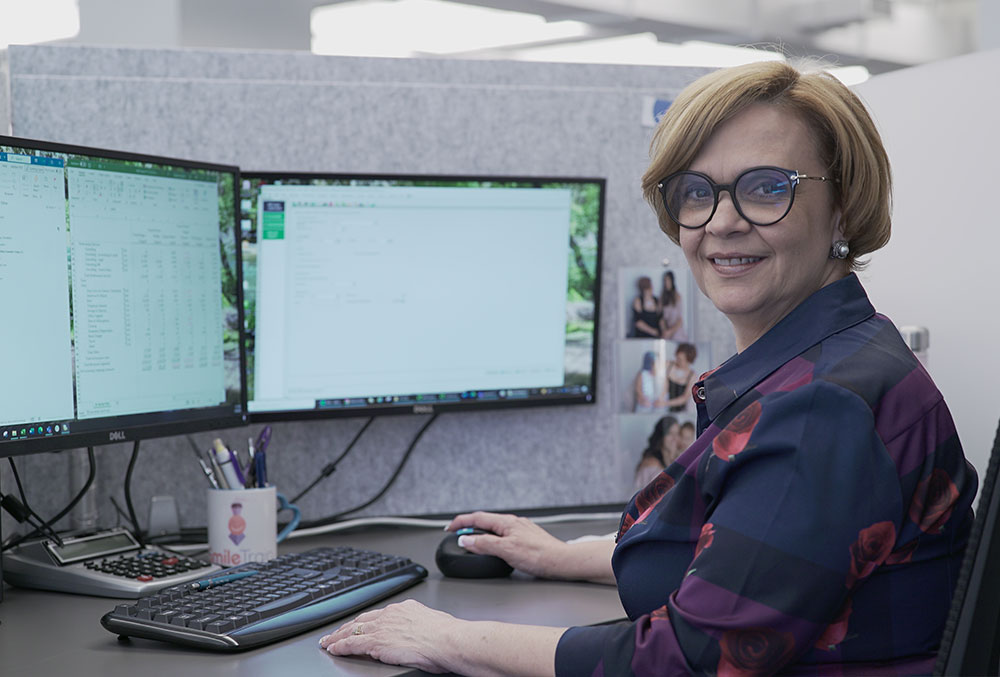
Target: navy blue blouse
point(817, 524)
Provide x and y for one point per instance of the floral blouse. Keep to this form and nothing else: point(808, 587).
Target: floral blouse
point(817, 524)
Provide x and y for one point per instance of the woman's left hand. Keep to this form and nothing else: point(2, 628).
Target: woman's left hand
point(407, 633)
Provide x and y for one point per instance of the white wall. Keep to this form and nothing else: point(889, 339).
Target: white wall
point(941, 126)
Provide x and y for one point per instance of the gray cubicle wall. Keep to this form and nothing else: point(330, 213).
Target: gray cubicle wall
point(296, 111)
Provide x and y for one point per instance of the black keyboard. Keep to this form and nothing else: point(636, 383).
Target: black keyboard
point(258, 603)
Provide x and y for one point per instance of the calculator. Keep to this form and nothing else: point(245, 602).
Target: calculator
point(110, 563)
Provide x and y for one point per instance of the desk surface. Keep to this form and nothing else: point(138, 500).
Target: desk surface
point(48, 633)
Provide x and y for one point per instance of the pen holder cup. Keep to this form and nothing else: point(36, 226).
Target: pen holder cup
point(242, 524)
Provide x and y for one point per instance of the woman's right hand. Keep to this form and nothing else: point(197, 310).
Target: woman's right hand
point(529, 548)
point(519, 541)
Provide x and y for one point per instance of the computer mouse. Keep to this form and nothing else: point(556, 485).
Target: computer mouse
point(457, 562)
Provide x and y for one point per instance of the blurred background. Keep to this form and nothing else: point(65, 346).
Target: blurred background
point(858, 37)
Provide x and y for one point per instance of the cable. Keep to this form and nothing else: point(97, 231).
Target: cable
point(438, 523)
point(128, 493)
point(330, 467)
point(415, 522)
point(392, 479)
point(119, 513)
point(17, 481)
point(23, 512)
point(69, 506)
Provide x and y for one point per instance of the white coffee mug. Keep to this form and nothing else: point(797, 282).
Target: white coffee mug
point(242, 525)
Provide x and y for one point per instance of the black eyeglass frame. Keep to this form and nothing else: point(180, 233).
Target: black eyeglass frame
point(793, 177)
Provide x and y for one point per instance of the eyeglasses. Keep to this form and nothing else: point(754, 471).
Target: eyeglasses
point(762, 195)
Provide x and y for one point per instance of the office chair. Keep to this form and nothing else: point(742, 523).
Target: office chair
point(969, 645)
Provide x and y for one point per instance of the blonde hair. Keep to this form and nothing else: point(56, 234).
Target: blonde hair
point(845, 136)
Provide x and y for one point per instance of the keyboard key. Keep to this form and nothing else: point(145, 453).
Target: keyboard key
point(220, 626)
point(303, 573)
point(182, 619)
point(164, 615)
point(279, 605)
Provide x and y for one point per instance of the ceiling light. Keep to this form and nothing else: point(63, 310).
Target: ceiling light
point(27, 23)
point(643, 48)
point(411, 27)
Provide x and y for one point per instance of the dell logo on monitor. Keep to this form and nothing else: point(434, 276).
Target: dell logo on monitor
point(117, 435)
point(423, 409)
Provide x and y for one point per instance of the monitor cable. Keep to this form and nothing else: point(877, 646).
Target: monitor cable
point(399, 468)
point(46, 527)
point(332, 465)
point(128, 493)
point(21, 511)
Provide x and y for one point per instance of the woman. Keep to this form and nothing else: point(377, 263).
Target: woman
point(687, 434)
point(681, 378)
point(817, 524)
point(647, 387)
point(645, 311)
point(672, 314)
point(662, 448)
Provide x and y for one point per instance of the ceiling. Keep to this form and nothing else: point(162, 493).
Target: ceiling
point(881, 35)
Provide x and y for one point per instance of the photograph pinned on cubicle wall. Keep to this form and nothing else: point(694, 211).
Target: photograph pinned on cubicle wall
point(648, 443)
point(655, 303)
point(656, 376)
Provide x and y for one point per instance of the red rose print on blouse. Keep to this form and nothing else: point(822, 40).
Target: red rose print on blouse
point(755, 651)
point(870, 550)
point(705, 539)
point(933, 501)
point(646, 500)
point(837, 630)
point(734, 437)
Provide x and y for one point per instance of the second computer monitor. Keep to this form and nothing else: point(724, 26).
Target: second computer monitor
point(391, 294)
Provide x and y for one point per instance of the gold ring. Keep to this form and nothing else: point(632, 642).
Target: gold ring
point(358, 630)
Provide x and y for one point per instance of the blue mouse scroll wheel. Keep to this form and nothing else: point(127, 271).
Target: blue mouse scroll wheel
point(464, 531)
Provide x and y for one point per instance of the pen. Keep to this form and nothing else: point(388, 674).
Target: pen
point(260, 458)
point(204, 466)
point(208, 473)
point(260, 464)
point(227, 461)
point(217, 471)
point(251, 473)
point(206, 583)
point(264, 438)
point(234, 459)
point(234, 456)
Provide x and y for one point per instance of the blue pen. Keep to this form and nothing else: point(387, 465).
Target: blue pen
point(206, 583)
point(260, 465)
point(260, 457)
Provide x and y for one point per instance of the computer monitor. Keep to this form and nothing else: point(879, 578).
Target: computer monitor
point(387, 294)
point(120, 281)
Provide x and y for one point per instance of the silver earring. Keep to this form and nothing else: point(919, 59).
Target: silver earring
point(839, 250)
